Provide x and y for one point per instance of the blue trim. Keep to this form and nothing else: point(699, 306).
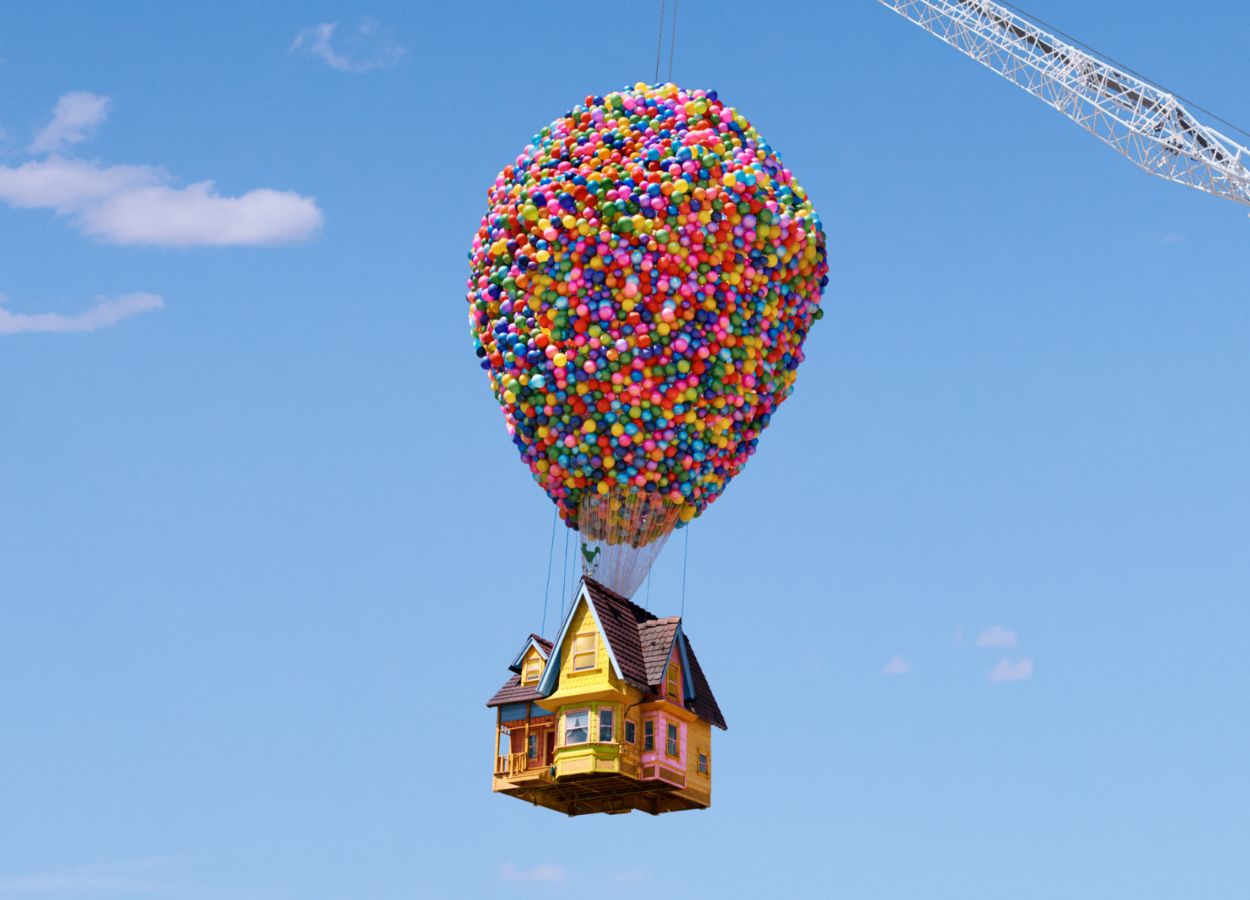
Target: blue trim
point(516, 660)
point(547, 684)
point(687, 679)
point(536, 710)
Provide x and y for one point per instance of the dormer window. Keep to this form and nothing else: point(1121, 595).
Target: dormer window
point(533, 670)
point(584, 652)
point(673, 683)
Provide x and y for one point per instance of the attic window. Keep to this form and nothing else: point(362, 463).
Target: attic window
point(584, 652)
point(673, 689)
point(533, 669)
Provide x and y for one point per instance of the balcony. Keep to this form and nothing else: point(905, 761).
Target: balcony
point(513, 769)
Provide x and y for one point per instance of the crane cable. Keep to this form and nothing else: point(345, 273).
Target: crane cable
point(672, 41)
point(1076, 42)
point(659, 43)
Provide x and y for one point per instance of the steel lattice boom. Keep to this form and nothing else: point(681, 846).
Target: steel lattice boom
point(1144, 122)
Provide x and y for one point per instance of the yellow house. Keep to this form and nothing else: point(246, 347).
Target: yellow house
point(614, 715)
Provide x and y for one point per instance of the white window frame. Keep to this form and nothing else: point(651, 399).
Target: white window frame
point(585, 727)
point(593, 652)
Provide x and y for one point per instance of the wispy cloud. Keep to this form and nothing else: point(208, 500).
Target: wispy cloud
point(996, 636)
point(142, 205)
point(126, 879)
point(1012, 670)
point(368, 47)
point(106, 312)
point(896, 666)
point(75, 118)
point(548, 872)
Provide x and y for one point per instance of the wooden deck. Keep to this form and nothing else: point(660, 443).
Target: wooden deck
point(577, 795)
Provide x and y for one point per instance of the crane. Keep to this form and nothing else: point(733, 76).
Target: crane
point(1142, 121)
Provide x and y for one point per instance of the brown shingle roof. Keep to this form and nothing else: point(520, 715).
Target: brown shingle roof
point(656, 637)
point(620, 619)
point(640, 642)
point(637, 638)
point(514, 692)
point(705, 705)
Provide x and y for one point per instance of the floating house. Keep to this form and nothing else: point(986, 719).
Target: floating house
point(614, 715)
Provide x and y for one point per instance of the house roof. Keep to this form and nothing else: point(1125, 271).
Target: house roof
point(705, 705)
point(541, 644)
point(656, 637)
point(639, 643)
point(514, 692)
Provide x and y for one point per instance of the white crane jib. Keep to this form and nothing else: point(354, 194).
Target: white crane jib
point(1142, 121)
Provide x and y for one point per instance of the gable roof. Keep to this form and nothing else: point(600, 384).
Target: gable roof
point(638, 646)
point(513, 691)
point(539, 643)
point(705, 705)
point(657, 637)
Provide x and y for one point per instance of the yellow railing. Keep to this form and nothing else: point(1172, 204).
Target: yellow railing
point(511, 765)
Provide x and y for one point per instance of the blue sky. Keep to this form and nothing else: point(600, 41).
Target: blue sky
point(265, 549)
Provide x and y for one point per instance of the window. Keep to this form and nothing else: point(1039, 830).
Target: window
point(605, 724)
point(648, 735)
point(533, 669)
point(674, 683)
point(630, 732)
point(583, 652)
point(575, 727)
point(702, 762)
point(531, 747)
point(671, 747)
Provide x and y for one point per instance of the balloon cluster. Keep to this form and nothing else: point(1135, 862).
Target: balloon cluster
point(641, 286)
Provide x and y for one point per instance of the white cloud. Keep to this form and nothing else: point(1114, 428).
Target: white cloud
point(106, 312)
point(996, 636)
point(549, 872)
point(138, 205)
point(197, 216)
point(142, 205)
point(368, 47)
point(896, 666)
point(1012, 670)
point(69, 185)
point(76, 115)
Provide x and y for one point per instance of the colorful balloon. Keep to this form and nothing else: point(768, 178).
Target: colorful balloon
point(641, 286)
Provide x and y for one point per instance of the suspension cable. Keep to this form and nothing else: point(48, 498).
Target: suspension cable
point(551, 550)
point(685, 558)
point(672, 39)
point(659, 43)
